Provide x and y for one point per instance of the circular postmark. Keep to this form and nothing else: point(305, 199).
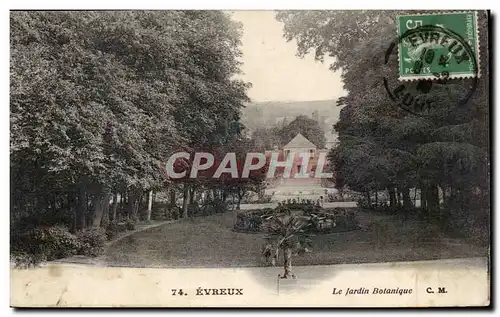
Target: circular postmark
point(432, 87)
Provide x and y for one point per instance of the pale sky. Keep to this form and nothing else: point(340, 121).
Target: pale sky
point(271, 64)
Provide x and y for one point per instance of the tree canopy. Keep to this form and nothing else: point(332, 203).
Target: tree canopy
point(381, 145)
point(280, 135)
point(100, 100)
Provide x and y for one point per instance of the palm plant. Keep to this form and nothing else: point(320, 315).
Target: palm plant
point(288, 235)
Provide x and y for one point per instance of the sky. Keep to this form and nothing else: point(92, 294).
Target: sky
point(271, 64)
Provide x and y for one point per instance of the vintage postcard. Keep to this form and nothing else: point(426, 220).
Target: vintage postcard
point(196, 158)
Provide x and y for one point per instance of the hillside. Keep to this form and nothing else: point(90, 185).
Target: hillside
point(266, 114)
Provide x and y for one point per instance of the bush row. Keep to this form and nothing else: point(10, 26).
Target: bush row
point(333, 220)
point(320, 220)
point(39, 244)
point(165, 211)
point(251, 221)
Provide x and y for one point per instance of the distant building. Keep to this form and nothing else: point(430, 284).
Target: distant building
point(298, 188)
point(298, 145)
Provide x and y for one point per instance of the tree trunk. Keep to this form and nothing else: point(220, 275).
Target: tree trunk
point(423, 198)
point(191, 195)
point(185, 200)
point(368, 198)
point(71, 198)
point(131, 201)
point(240, 197)
point(392, 196)
point(443, 191)
point(432, 196)
point(407, 204)
point(137, 205)
point(81, 207)
point(288, 262)
point(114, 207)
point(123, 204)
point(105, 210)
point(172, 197)
point(398, 197)
point(150, 206)
point(209, 196)
point(97, 205)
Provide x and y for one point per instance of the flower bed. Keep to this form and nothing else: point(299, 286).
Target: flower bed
point(252, 220)
point(320, 220)
point(333, 220)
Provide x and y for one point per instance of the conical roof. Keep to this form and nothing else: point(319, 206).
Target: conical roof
point(300, 141)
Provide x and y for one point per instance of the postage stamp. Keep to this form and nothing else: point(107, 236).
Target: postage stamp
point(439, 42)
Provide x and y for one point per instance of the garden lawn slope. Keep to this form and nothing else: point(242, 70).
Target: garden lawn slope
point(211, 242)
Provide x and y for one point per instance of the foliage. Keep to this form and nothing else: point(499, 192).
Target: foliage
point(383, 147)
point(130, 224)
point(22, 260)
point(332, 220)
point(100, 99)
point(175, 212)
point(160, 211)
point(287, 234)
point(44, 244)
point(308, 127)
point(253, 221)
point(194, 210)
point(214, 206)
point(92, 241)
point(113, 229)
point(268, 138)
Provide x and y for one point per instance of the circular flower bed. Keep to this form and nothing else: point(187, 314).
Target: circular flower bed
point(320, 220)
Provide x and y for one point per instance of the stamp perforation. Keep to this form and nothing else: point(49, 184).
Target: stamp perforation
point(431, 77)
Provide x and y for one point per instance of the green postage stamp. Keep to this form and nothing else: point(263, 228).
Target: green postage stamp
point(438, 45)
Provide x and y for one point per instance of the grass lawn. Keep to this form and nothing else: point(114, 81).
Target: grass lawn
point(210, 242)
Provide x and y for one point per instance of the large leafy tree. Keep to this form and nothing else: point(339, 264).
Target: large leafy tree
point(308, 127)
point(382, 146)
point(100, 100)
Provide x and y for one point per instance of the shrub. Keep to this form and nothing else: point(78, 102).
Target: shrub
point(130, 224)
point(44, 244)
point(252, 221)
point(362, 203)
point(194, 210)
point(332, 220)
point(214, 206)
point(165, 211)
point(255, 223)
point(25, 260)
point(112, 230)
point(92, 241)
point(309, 209)
point(160, 211)
point(174, 212)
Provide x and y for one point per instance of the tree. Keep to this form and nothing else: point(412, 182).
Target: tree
point(255, 182)
point(308, 127)
point(267, 138)
point(100, 100)
point(287, 234)
point(385, 147)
